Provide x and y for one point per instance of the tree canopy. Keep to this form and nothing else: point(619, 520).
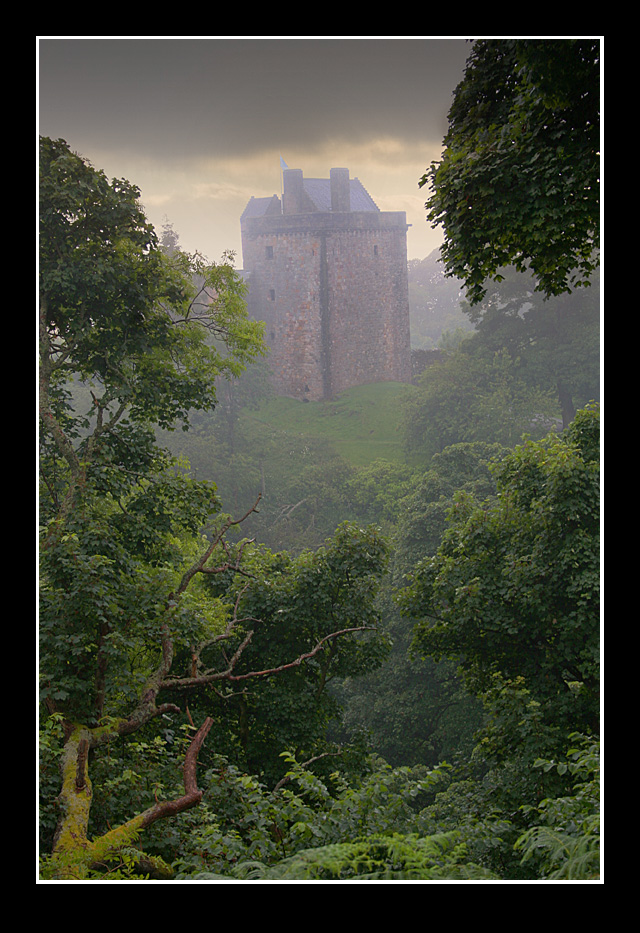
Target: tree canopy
point(170, 640)
point(518, 183)
point(131, 339)
point(513, 589)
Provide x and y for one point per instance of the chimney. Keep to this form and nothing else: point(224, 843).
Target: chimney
point(340, 194)
point(292, 198)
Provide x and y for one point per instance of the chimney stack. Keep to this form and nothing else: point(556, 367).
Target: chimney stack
point(340, 193)
point(292, 197)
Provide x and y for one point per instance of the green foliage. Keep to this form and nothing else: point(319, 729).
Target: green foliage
point(376, 492)
point(554, 342)
point(131, 338)
point(434, 304)
point(141, 336)
point(518, 183)
point(473, 395)
point(521, 816)
point(105, 584)
point(511, 596)
point(464, 467)
point(316, 464)
point(140, 325)
point(51, 741)
point(378, 858)
point(306, 831)
point(416, 709)
point(514, 587)
point(135, 337)
point(291, 604)
point(411, 709)
point(565, 845)
point(140, 768)
point(306, 493)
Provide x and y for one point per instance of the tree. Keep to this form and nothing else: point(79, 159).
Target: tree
point(327, 595)
point(124, 613)
point(511, 596)
point(375, 492)
point(414, 709)
point(125, 319)
point(306, 830)
point(518, 182)
point(474, 393)
point(555, 341)
point(464, 467)
point(513, 591)
point(434, 303)
point(565, 841)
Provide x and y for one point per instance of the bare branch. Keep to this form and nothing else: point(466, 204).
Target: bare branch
point(287, 510)
point(101, 850)
point(146, 708)
point(303, 657)
point(204, 680)
point(200, 565)
point(192, 796)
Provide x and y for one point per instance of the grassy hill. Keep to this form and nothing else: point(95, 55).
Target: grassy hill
point(362, 424)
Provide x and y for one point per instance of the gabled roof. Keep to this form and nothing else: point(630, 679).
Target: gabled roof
point(318, 190)
point(260, 207)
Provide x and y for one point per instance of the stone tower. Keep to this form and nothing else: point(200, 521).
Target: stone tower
point(327, 273)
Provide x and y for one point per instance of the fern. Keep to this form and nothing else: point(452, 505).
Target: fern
point(567, 841)
point(379, 858)
point(575, 857)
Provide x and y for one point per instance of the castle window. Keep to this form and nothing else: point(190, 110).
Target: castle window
point(268, 253)
point(272, 295)
point(375, 250)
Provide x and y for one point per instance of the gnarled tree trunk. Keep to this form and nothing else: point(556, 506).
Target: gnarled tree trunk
point(74, 854)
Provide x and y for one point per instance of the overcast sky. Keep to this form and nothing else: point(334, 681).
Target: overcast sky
point(200, 124)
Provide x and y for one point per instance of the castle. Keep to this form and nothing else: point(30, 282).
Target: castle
point(327, 273)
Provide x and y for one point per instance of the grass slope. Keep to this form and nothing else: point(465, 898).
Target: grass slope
point(362, 424)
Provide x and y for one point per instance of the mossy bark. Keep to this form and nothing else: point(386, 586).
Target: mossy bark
point(74, 855)
point(76, 794)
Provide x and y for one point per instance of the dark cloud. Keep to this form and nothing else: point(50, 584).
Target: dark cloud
point(233, 97)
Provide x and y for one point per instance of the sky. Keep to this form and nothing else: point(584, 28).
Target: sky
point(200, 124)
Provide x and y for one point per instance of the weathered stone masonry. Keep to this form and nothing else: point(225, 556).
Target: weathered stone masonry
point(327, 272)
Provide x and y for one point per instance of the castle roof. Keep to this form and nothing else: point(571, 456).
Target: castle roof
point(261, 207)
point(318, 192)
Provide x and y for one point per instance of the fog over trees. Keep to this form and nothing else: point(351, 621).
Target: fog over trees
point(356, 639)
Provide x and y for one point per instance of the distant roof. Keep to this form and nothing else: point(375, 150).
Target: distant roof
point(319, 191)
point(259, 207)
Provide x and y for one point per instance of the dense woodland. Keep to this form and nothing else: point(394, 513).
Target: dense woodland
point(339, 641)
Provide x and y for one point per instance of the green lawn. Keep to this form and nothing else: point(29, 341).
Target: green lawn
point(363, 424)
